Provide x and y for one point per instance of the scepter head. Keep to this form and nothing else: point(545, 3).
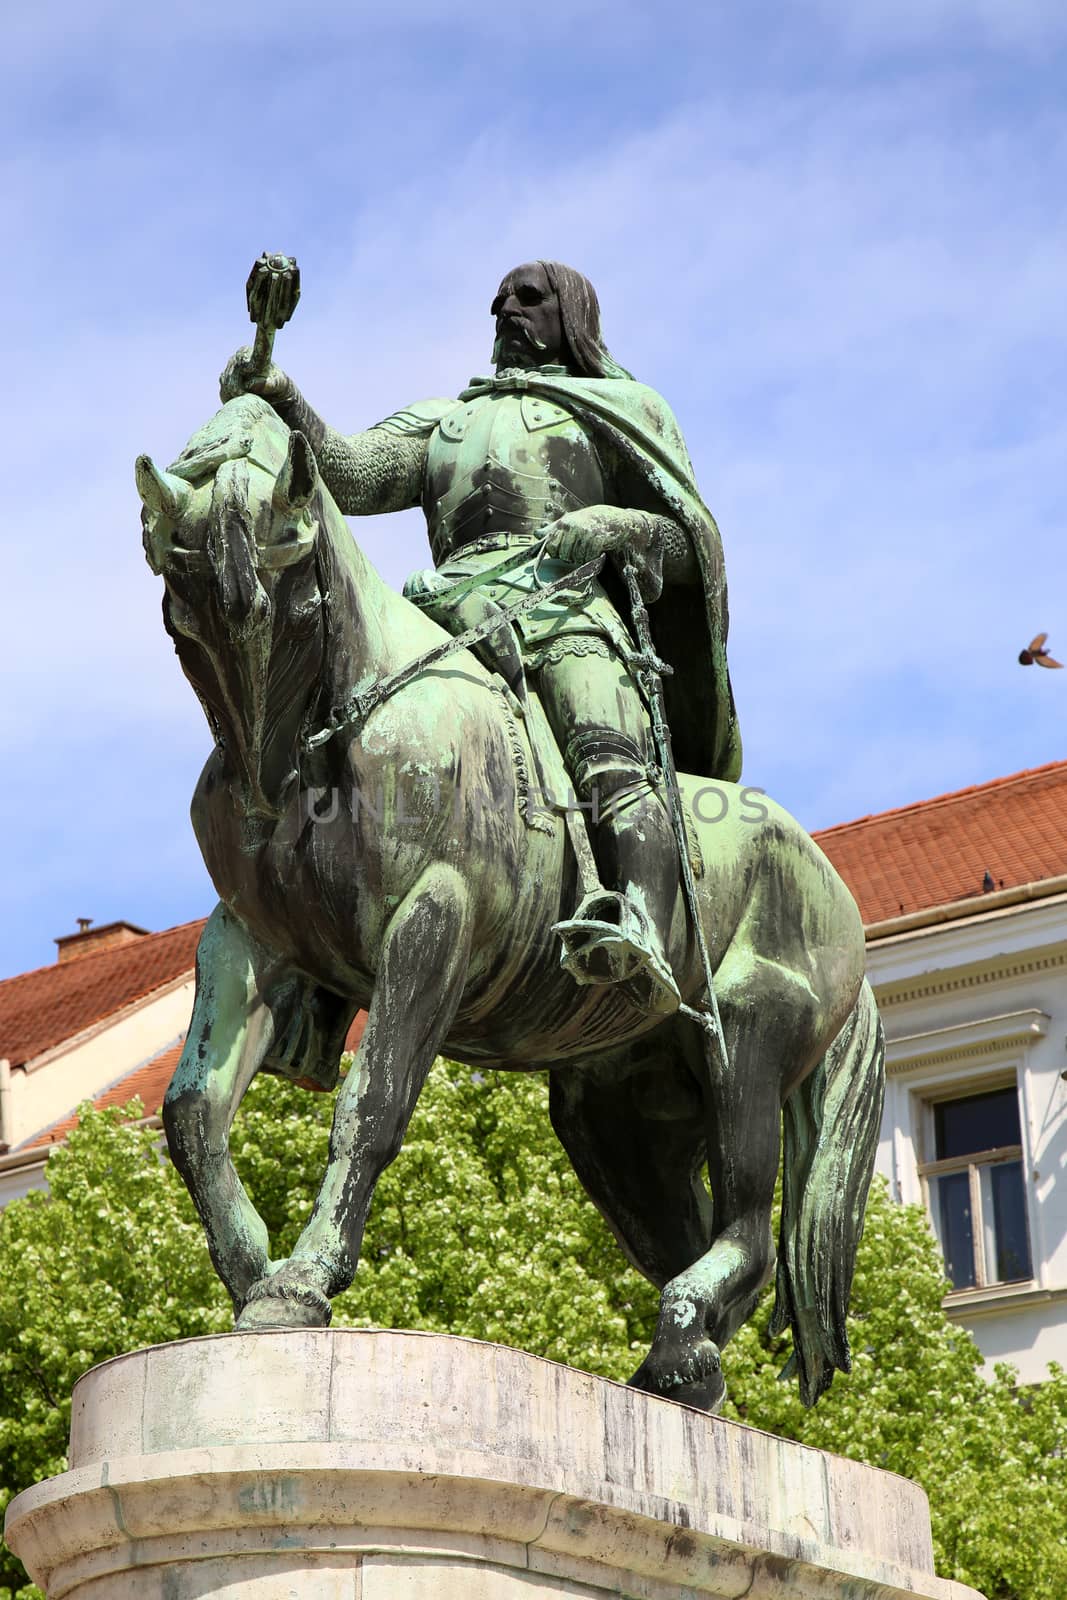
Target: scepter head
point(272, 290)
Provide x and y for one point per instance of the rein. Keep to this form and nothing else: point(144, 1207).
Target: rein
point(360, 703)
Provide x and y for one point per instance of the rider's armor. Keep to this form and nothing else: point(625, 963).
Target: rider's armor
point(505, 463)
point(499, 470)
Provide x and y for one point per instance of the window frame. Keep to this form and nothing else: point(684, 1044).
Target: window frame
point(951, 1091)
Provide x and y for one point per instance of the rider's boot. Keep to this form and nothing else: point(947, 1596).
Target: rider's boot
point(497, 650)
point(618, 933)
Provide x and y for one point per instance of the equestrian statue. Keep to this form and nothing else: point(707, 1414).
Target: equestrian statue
point(502, 812)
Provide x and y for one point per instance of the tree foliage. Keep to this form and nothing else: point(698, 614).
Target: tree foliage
point(111, 1258)
point(992, 1460)
point(480, 1228)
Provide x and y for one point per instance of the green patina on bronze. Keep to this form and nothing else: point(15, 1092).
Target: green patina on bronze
point(474, 839)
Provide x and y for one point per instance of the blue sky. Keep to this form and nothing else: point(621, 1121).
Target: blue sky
point(832, 233)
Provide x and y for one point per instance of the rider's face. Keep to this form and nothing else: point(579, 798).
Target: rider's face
point(528, 328)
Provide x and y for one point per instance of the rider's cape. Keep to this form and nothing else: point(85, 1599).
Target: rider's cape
point(639, 435)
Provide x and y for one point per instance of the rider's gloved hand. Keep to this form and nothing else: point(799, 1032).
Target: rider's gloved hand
point(239, 377)
point(624, 534)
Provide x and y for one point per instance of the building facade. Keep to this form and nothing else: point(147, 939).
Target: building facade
point(965, 904)
point(104, 1023)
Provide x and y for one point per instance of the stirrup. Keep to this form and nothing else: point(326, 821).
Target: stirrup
point(610, 940)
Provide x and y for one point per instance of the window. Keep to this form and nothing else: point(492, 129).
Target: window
point(976, 1190)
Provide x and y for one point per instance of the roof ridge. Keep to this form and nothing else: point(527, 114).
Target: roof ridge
point(947, 798)
point(141, 943)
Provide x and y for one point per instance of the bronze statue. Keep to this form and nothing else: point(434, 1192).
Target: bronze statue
point(542, 467)
point(459, 808)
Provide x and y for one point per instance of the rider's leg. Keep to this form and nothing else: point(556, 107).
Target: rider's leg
point(498, 650)
point(599, 720)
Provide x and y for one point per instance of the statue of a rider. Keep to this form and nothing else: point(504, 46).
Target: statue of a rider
point(559, 457)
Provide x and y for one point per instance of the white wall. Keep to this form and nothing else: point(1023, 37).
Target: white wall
point(79, 1069)
point(967, 1006)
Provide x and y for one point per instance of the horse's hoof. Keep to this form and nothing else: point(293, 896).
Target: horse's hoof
point(709, 1396)
point(284, 1300)
point(278, 1313)
point(691, 1376)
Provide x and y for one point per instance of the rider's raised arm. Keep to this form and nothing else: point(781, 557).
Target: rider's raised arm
point(380, 469)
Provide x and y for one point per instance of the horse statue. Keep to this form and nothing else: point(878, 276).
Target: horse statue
point(394, 860)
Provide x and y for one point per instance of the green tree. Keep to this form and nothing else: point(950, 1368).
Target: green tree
point(111, 1258)
point(480, 1228)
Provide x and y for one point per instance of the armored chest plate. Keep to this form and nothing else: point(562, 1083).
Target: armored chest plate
point(506, 463)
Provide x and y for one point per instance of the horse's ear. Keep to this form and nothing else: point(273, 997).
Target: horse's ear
point(298, 478)
point(160, 491)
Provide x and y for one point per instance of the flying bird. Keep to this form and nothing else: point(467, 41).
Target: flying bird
point(1035, 651)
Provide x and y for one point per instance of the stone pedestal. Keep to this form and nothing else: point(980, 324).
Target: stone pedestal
point(357, 1465)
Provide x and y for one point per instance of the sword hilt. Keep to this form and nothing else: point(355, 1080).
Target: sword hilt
point(646, 660)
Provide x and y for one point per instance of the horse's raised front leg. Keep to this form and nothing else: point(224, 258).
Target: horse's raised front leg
point(420, 978)
point(231, 1032)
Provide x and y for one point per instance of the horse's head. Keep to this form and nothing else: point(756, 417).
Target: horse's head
point(233, 528)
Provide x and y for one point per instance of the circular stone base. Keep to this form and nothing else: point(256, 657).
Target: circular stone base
point(344, 1464)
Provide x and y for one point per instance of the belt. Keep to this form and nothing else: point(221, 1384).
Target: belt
point(493, 541)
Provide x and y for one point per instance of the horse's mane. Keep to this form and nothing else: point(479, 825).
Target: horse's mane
point(249, 428)
point(245, 426)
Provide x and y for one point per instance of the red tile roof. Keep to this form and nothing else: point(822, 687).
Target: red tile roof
point(938, 851)
point(41, 1009)
point(148, 1083)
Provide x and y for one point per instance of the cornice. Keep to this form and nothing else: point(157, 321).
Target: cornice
point(15, 1160)
point(965, 1041)
point(966, 1305)
point(36, 1155)
point(958, 978)
point(974, 908)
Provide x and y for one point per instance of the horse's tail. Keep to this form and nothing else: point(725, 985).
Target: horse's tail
point(831, 1126)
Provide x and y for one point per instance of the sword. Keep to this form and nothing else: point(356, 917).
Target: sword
point(652, 670)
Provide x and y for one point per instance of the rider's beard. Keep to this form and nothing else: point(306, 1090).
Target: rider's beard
point(516, 337)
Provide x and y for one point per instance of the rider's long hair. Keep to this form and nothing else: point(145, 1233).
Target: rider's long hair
point(579, 311)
